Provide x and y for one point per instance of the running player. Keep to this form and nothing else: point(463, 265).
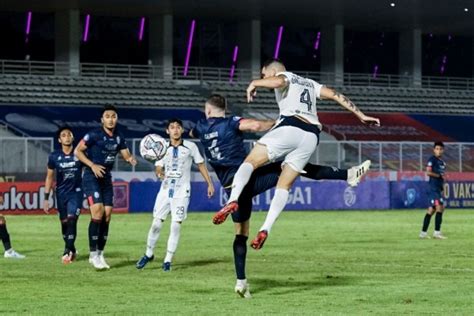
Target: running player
point(175, 171)
point(97, 151)
point(223, 140)
point(5, 237)
point(294, 137)
point(69, 194)
point(435, 170)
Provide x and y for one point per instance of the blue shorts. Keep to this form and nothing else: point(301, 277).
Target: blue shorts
point(98, 190)
point(69, 204)
point(436, 198)
point(263, 179)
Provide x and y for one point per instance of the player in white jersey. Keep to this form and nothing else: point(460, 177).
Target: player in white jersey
point(175, 171)
point(294, 137)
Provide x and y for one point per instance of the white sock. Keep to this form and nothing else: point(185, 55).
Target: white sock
point(93, 254)
point(173, 240)
point(241, 178)
point(153, 236)
point(276, 207)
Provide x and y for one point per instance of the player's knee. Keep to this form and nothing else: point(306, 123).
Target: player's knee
point(71, 218)
point(3, 221)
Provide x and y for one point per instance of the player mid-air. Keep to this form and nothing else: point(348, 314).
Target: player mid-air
point(294, 137)
point(223, 140)
point(97, 151)
point(69, 194)
point(435, 170)
point(175, 171)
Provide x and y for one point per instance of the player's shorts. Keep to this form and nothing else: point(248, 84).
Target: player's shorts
point(436, 198)
point(70, 204)
point(262, 179)
point(293, 143)
point(98, 190)
point(177, 206)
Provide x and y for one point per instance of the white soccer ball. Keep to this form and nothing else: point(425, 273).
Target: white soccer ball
point(153, 147)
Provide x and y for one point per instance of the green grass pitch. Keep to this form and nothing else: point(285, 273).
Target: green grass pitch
point(369, 262)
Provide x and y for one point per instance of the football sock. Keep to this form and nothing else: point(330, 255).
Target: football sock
point(426, 222)
point(71, 233)
point(153, 236)
point(94, 227)
point(438, 221)
point(317, 172)
point(64, 230)
point(173, 240)
point(240, 255)
point(276, 207)
point(5, 237)
point(241, 178)
point(103, 234)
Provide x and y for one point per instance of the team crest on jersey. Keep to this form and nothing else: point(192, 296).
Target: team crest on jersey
point(86, 137)
point(118, 139)
point(59, 158)
point(96, 195)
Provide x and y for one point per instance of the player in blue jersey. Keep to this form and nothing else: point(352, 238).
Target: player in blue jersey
point(435, 170)
point(9, 253)
point(69, 194)
point(97, 151)
point(223, 141)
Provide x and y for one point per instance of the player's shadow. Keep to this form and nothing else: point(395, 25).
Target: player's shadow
point(200, 263)
point(124, 263)
point(285, 286)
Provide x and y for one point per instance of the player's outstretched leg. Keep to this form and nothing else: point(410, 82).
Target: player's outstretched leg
point(228, 209)
point(355, 173)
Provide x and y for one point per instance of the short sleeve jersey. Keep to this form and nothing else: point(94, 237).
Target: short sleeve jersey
point(177, 164)
point(438, 166)
point(102, 148)
point(68, 171)
point(299, 98)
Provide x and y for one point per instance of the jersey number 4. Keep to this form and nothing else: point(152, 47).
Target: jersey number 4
point(305, 98)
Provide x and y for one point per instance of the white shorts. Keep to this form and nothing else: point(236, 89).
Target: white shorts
point(164, 205)
point(293, 143)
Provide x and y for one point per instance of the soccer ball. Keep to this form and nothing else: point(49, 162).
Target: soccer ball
point(153, 147)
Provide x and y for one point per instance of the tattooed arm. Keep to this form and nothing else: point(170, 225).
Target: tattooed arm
point(331, 94)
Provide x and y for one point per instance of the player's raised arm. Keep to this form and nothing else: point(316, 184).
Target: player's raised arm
point(273, 82)
point(80, 153)
point(128, 157)
point(254, 126)
point(48, 184)
point(331, 94)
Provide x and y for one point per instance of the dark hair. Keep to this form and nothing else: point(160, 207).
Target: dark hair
point(109, 107)
point(218, 101)
point(61, 129)
point(174, 120)
point(438, 144)
point(270, 61)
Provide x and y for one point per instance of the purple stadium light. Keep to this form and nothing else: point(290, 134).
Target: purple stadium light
point(190, 45)
point(142, 29)
point(28, 26)
point(277, 46)
point(234, 60)
point(376, 70)
point(316, 43)
point(86, 28)
point(443, 64)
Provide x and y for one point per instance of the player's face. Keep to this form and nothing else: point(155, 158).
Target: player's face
point(66, 138)
point(109, 119)
point(175, 131)
point(438, 151)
